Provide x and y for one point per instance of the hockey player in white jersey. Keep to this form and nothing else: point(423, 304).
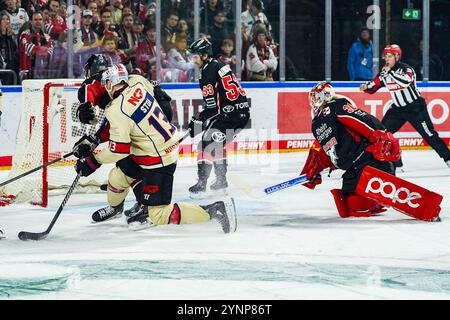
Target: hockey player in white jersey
point(140, 131)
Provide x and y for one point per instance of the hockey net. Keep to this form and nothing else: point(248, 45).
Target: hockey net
point(48, 129)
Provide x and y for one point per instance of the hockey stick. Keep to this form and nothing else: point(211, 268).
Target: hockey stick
point(35, 169)
point(24, 235)
point(286, 184)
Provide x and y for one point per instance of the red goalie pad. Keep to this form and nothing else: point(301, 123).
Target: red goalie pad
point(402, 195)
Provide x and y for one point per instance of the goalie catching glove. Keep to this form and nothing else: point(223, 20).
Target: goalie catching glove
point(85, 113)
point(385, 147)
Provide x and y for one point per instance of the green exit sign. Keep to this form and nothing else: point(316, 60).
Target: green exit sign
point(411, 14)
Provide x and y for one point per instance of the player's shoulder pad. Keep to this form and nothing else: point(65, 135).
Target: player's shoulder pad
point(136, 101)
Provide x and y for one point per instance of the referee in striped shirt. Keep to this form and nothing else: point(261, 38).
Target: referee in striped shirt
point(408, 105)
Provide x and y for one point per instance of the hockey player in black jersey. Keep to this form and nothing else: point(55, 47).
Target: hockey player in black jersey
point(354, 141)
point(408, 105)
point(226, 112)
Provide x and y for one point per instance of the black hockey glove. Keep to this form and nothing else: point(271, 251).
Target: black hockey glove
point(196, 126)
point(163, 100)
point(85, 112)
point(83, 147)
point(207, 113)
point(87, 166)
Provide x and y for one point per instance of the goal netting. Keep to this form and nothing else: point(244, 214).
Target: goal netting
point(48, 129)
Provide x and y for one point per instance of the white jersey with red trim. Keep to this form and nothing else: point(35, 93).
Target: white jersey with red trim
point(401, 83)
point(18, 18)
point(139, 127)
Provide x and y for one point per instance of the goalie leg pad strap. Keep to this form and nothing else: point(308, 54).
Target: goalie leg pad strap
point(402, 195)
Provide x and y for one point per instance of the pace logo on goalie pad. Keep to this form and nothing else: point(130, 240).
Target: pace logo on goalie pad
point(390, 191)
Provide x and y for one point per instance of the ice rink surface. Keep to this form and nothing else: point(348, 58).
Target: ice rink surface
point(289, 245)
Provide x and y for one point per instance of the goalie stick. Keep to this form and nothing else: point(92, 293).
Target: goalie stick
point(286, 184)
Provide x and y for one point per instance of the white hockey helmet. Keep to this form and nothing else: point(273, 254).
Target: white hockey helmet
point(115, 74)
point(322, 93)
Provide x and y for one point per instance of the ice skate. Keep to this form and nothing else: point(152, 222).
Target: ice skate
point(220, 185)
point(134, 210)
point(107, 213)
point(225, 213)
point(140, 220)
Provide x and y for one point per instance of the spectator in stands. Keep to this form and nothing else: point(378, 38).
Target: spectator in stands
point(261, 61)
point(168, 31)
point(226, 55)
point(218, 31)
point(252, 16)
point(109, 48)
point(127, 39)
point(360, 58)
point(35, 48)
point(101, 4)
point(105, 27)
point(138, 30)
point(55, 25)
point(88, 36)
point(9, 54)
point(207, 13)
point(179, 58)
point(92, 5)
point(126, 10)
point(58, 60)
point(17, 16)
point(183, 27)
point(32, 6)
point(146, 54)
point(116, 11)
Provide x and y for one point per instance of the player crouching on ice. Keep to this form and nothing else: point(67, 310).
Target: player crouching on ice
point(140, 130)
point(356, 142)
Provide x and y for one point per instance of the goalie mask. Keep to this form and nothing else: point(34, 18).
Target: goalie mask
point(321, 94)
point(114, 75)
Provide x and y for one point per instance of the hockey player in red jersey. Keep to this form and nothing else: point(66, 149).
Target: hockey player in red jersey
point(356, 142)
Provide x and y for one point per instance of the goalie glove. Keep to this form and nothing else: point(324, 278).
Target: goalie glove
point(316, 162)
point(384, 147)
point(85, 113)
point(83, 147)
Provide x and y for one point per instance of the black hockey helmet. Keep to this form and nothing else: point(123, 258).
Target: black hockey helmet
point(97, 63)
point(201, 46)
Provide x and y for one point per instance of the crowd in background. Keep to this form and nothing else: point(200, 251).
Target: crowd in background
point(33, 39)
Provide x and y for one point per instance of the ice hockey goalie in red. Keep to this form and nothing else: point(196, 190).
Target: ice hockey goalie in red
point(356, 142)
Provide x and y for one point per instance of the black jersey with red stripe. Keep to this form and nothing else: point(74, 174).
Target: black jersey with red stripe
point(221, 89)
point(91, 90)
point(343, 131)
